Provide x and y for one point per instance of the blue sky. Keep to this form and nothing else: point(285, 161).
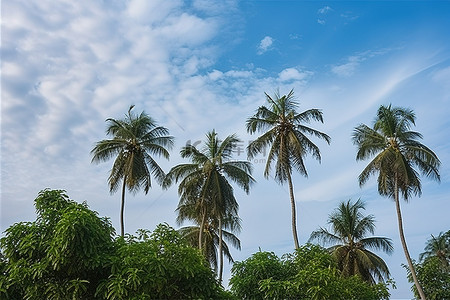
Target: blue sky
point(197, 65)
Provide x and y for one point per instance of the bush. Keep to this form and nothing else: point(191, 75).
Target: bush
point(159, 265)
point(434, 276)
point(309, 273)
point(69, 252)
point(63, 254)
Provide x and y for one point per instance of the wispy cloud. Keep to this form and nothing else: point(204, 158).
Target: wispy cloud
point(349, 16)
point(265, 44)
point(321, 21)
point(324, 10)
point(321, 14)
point(349, 67)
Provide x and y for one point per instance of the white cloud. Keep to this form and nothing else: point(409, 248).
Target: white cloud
point(349, 16)
point(347, 69)
point(149, 12)
point(239, 74)
point(352, 63)
point(215, 75)
point(265, 45)
point(293, 74)
point(324, 10)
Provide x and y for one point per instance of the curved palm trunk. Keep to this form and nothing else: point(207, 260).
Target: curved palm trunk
point(405, 248)
point(293, 212)
point(200, 233)
point(220, 251)
point(122, 207)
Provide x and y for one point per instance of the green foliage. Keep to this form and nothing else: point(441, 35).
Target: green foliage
point(61, 255)
point(309, 273)
point(398, 156)
point(438, 247)
point(285, 133)
point(246, 275)
point(433, 271)
point(68, 252)
point(159, 266)
point(434, 277)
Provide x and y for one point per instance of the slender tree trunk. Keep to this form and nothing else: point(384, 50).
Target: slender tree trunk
point(220, 251)
point(200, 233)
point(405, 248)
point(122, 207)
point(293, 212)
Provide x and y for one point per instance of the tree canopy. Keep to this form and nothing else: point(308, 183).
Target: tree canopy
point(308, 273)
point(69, 252)
point(63, 254)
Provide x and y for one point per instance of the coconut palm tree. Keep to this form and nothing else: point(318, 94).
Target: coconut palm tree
point(284, 132)
point(135, 140)
point(214, 246)
point(204, 184)
point(397, 153)
point(438, 247)
point(350, 244)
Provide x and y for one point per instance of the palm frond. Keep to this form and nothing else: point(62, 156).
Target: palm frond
point(324, 237)
point(378, 243)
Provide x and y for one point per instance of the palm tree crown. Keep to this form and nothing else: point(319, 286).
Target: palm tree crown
point(350, 243)
point(135, 139)
point(438, 247)
point(397, 152)
point(285, 134)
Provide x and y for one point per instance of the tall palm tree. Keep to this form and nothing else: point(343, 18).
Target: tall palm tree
point(438, 247)
point(204, 184)
point(396, 152)
point(285, 134)
point(350, 243)
point(135, 140)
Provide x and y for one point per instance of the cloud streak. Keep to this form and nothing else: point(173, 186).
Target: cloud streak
point(265, 45)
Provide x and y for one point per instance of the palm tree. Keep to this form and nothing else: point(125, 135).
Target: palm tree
point(438, 247)
point(285, 134)
point(397, 152)
point(350, 243)
point(134, 140)
point(212, 245)
point(204, 184)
